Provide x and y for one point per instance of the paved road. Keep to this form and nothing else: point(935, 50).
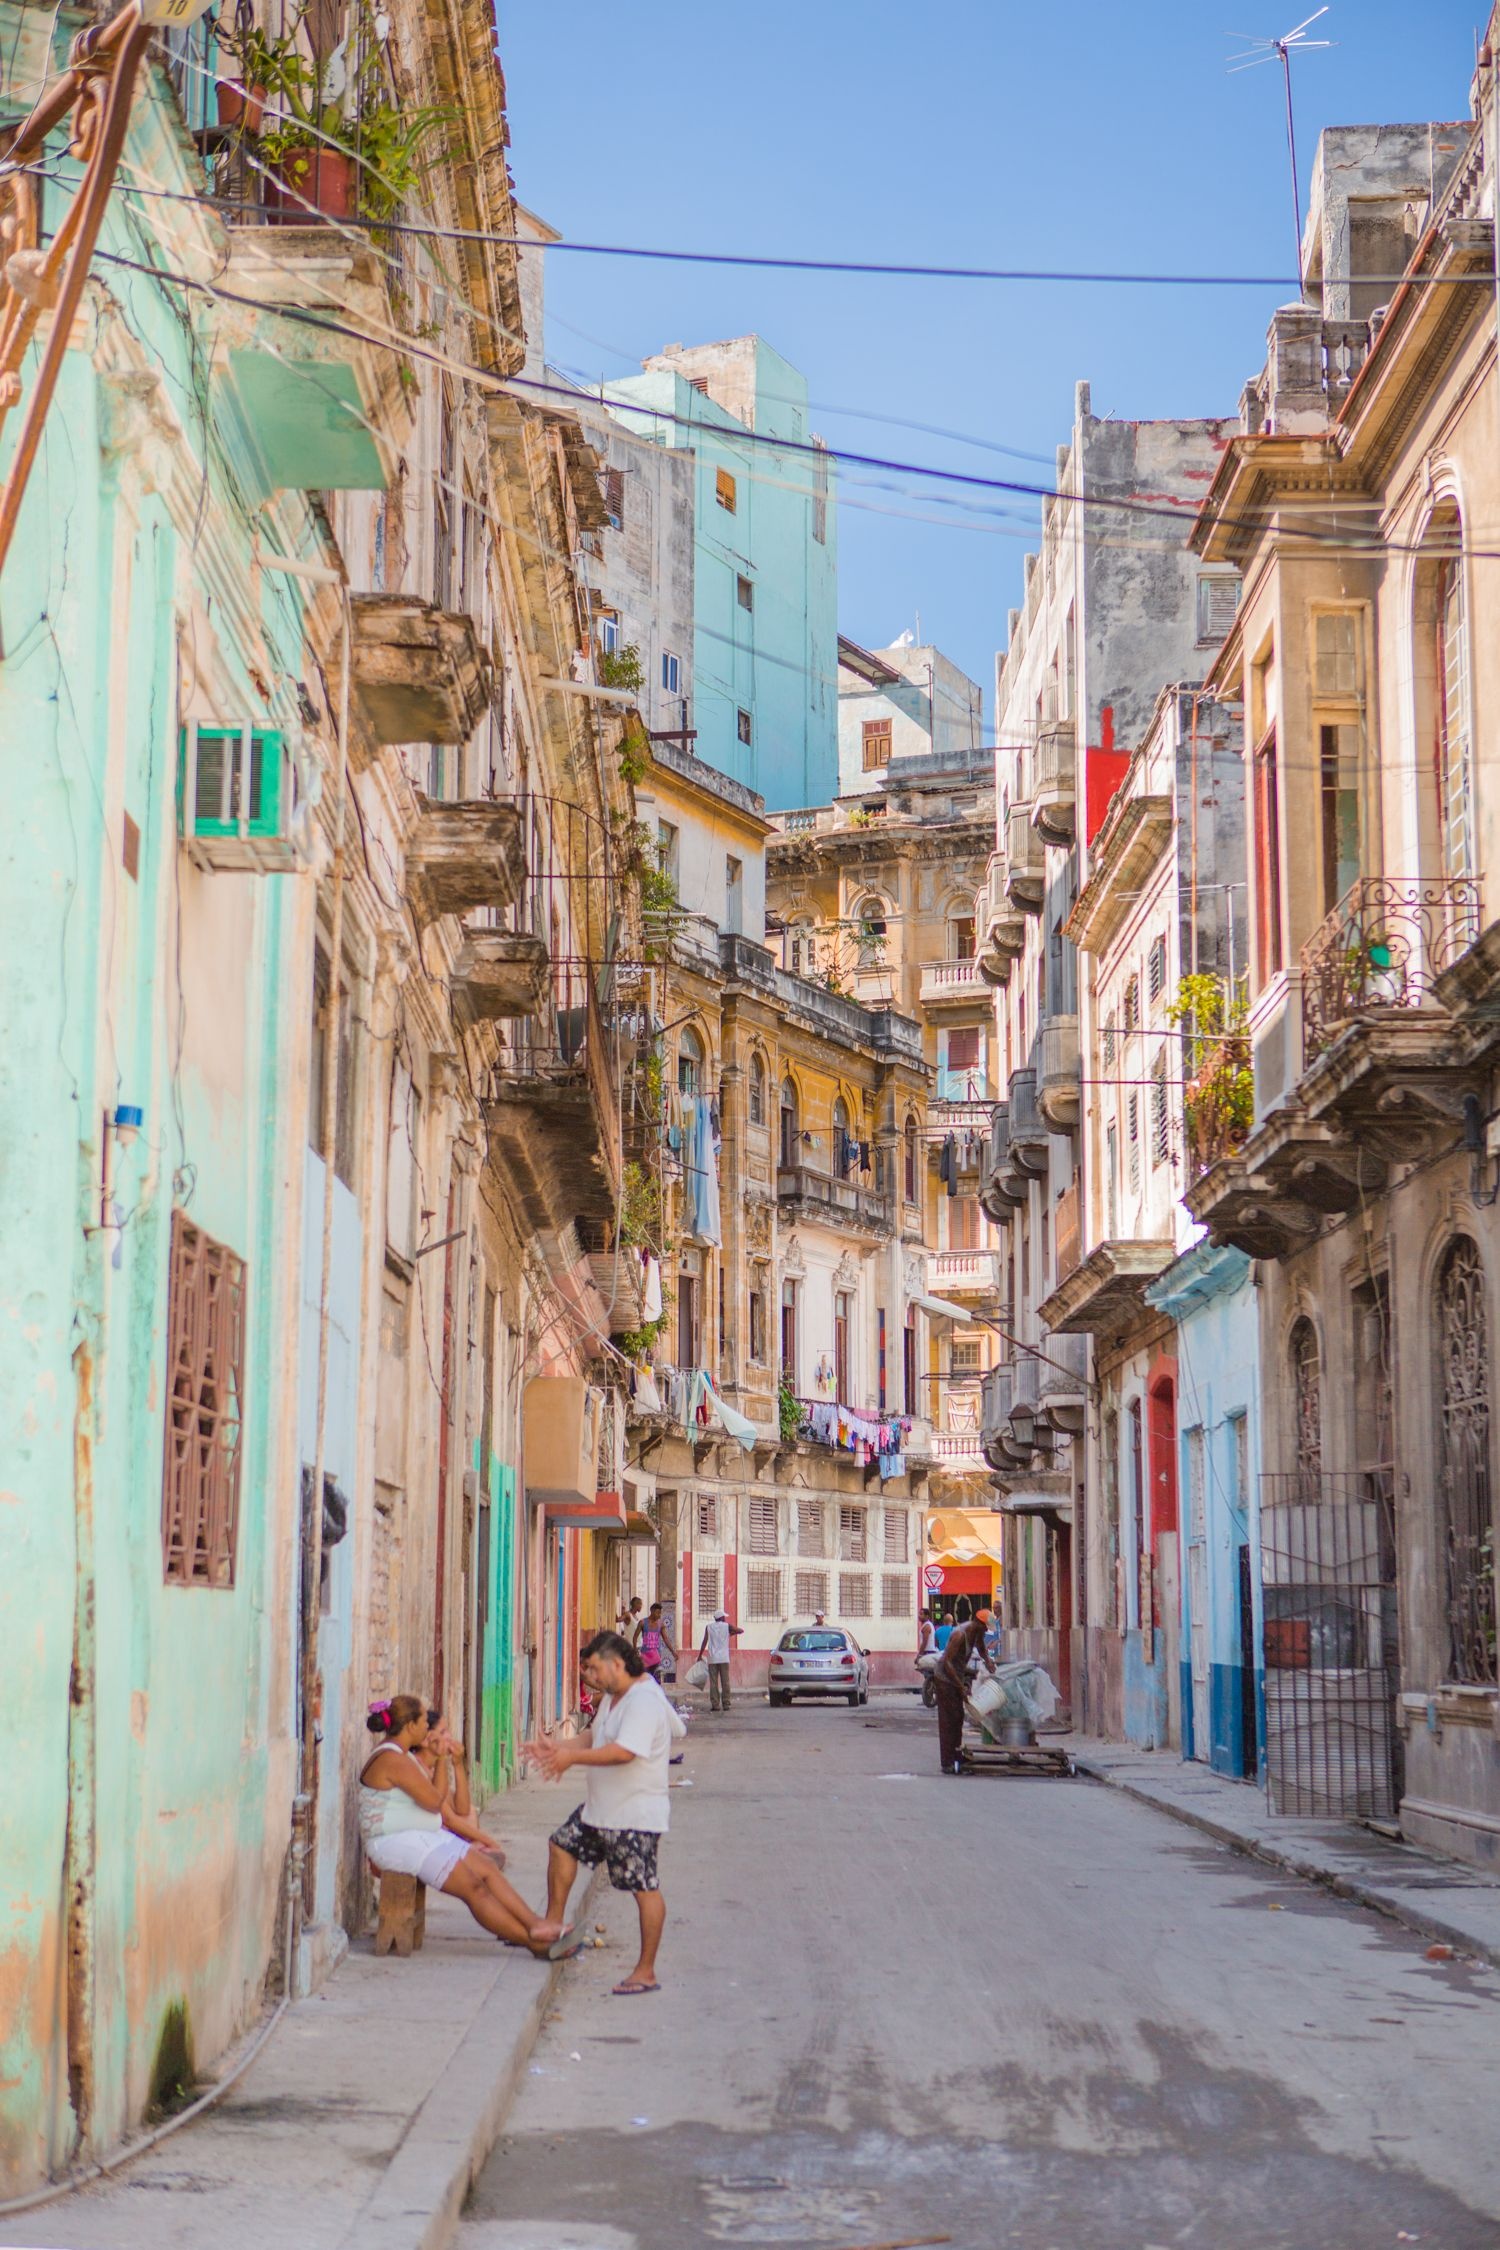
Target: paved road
point(991, 2014)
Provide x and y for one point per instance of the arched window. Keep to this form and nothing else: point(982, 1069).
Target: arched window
point(1467, 1515)
point(909, 1160)
point(757, 1090)
point(801, 949)
point(790, 1150)
point(689, 1062)
point(1455, 733)
point(870, 931)
point(1307, 1405)
point(843, 1146)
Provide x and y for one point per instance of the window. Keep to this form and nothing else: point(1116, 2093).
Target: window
point(1161, 1139)
point(841, 1323)
point(614, 497)
point(1455, 759)
point(1340, 733)
point(1307, 1406)
point(762, 1595)
point(609, 633)
point(854, 1593)
point(1132, 1008)
point(742, 725)
point(726, 491)
point(880, 1386)
point(757, 1090)
point(790, 1149)
point(789, 1332)
point(810, 1593)
point(323, 1038)
point(820, 491)
point(896, 1598)
point(763, 1539)
point(1267, 860)
point(758, 1327)
point(666, 849)
point(1156, 967)
point(961, 1071)
point(961, 937)
point(1109, 1036)
point(708, 1516)
point(876, 744)
point(689, 1062)
point(909, 1160)
point(200, 1502)
point(734, 893)
point(1133, 1139)
point(897, 1533)
point(1218, 600)
point(968, 1357)
point(1112, 1180)
point(687, 1320)
point(812, 1528)
point(744, 592)
point(852, 1535)
point(671, 673)
point(909, 1365)
point(1466, 1520)
point(707, 1590)
point(1336, 654)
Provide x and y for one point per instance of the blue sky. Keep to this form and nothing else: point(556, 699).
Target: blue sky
point(1073, 135)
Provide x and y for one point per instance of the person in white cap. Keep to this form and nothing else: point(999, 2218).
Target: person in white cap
point(718, 1638)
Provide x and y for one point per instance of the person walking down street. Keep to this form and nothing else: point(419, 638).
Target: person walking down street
point(625, 1806)
point(718, 1638)
point(951, 1680)
point(630, 1616)
point(651, 1638)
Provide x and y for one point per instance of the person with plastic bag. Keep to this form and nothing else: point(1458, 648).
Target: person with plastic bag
point(719, 1637)
point(966, 1646)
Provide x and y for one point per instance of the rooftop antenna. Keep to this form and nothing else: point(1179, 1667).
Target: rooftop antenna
point(1260, 51)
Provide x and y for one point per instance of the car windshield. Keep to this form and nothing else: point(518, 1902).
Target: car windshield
point(820, 1641)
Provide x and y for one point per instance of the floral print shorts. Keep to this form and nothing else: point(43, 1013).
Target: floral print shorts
point(628, 1853)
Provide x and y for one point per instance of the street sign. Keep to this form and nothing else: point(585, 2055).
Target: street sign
point(932, 1577)
point(174, 13)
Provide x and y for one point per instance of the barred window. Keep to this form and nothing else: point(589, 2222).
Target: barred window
point(812, 1531)
point(854, 1593)
point(1132, 1010)
point(810, 1589)
point(708, 1516)
point(1109, 1044)
point(851, 1535)
point(708, 1589)
point(200, 1502)
point(1133, 1138)
point(1156, 967)
point(897, 1526)
point(1160, 1134)
point(763, 1540)
point(762, 1595)
point(896, 1595)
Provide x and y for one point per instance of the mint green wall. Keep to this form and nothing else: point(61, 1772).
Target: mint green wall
point(500, 1738)
point(181, 1775)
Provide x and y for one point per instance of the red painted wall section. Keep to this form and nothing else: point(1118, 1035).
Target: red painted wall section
point(1104, 768)
point(1161, 1446)
point(685, 1606)
point(731, 1589)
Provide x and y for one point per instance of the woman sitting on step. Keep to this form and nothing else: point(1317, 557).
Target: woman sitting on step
point(403, 1818)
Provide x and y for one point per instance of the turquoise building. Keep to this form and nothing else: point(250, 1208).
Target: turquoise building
point(764, 700)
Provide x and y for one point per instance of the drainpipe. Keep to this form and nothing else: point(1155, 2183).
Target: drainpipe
point(304, 1840)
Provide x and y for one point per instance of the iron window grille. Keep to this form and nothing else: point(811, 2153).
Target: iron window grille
point(205, 1391)
point(854, 1593)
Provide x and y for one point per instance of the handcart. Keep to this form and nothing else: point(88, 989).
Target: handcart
point(1005, 1716)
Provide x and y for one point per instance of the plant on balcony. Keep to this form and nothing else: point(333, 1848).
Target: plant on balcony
point(1219, 1099)
point(621, 668)
point(635, 757)
point(789, 1413)
point(641, 1213)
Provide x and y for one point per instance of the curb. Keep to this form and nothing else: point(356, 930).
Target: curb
point(1392, 1904)
point(421, 2194)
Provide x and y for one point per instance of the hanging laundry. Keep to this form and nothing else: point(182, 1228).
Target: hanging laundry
point(892, 1465)
point(644, 1392)
point(948, 1164)
point(701, 1184)
point(737, 1424)
point(650, 1288)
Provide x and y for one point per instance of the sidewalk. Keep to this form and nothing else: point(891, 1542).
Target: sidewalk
point(1438, 1898)
point(363, 2120)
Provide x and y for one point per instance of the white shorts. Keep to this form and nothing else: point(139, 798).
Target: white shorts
point(417, 1851)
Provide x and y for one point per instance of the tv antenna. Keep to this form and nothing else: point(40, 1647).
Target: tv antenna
point(1281, 50)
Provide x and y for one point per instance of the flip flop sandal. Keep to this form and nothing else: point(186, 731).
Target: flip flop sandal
point(632, 1991)
point(564, 1948)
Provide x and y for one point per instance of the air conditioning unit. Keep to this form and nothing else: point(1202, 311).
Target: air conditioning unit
point(239, 798)
point(561, 1426)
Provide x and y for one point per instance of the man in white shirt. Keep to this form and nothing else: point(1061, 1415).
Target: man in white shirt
point(718, 1637)
point(624, 1813)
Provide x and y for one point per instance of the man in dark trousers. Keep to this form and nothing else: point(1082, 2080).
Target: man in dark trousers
point(951, 1679)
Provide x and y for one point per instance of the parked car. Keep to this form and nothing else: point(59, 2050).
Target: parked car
point(818, 1660)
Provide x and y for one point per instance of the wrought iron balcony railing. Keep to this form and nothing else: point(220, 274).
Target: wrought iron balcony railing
point(1381, 948)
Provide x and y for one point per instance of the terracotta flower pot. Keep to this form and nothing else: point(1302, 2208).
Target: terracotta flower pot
point(240, 106)
point(308, 184)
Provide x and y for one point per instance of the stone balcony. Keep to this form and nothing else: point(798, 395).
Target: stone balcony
point(805, 1193)
point(1106, 1291)
point(945, 983)
point(552, 1106)
point(498, 976)
point(463, 855)
point(1028, 1128)
point(1059, 1084)
point(1054, 796)
point(421, 674)
point(1063, 1383)
point(1025, 862)
point(964, 1275)
point(1003, 1186)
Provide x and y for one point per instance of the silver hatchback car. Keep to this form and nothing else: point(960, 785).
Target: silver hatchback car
point(818, 1660)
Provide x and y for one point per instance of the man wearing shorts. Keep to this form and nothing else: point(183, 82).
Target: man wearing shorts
point(625, 1807)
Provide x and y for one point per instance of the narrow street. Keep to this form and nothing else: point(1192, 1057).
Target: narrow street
point(989, 2013)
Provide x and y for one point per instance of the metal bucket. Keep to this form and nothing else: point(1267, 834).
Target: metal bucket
point(1013, 1734)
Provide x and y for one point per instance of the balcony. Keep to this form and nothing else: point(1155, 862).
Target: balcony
point(1003, 1186)
point(1106, 1291)
point(465, 855)
point(620, 1280)
point(1379, 953)
point(552, 1106)
point(1025, 862)
point(964, 1274)
point(1063, 1383)
point(1059, 1086)
point(421, 673)
point(958, 1453)
point(498, 975)
point(1054, 797)
point(947, 982)
point(804, 1193)
point(961, 1118)
point(1029, 1146)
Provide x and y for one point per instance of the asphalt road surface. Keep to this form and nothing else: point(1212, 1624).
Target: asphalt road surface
point(989, 2013)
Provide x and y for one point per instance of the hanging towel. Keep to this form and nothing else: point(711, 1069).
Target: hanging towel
point(643, 1387)
point(734, 1422)
point(702, 1182)
point(650, 1290)
point(892, 1465)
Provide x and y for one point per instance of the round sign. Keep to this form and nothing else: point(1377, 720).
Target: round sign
point(932, 1577)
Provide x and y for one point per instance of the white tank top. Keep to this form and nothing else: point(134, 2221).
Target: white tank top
point(389, 1812)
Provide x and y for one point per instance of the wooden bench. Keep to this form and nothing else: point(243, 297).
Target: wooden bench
point(403, 1915)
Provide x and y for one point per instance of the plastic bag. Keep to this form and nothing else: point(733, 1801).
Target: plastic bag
point(697, 1675)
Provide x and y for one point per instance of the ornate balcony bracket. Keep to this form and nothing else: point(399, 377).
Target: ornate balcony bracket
point(97, 88)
